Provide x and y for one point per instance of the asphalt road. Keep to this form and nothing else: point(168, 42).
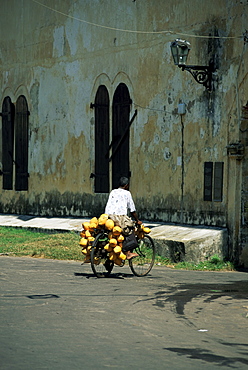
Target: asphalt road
point(57, 315)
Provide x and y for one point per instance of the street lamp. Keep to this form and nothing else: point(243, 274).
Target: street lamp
point(202, 74)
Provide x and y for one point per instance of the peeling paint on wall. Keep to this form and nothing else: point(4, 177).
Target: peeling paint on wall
point(57, 62)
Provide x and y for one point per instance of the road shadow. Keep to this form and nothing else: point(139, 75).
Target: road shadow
point(241, 269)
point(181, 294)
point(117, 275)
point(209, 357)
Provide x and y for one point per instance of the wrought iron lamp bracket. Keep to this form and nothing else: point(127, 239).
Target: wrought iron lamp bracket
point(202, 74)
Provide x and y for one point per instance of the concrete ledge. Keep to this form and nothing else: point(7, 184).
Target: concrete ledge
point(45, 224)
point(177, 242)
point(196, 243)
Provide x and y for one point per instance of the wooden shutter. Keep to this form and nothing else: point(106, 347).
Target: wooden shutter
point(208, 180)
point(21, 144)
point(121, 112)
point(7, 142)
point(218, 181)
point(102, 140)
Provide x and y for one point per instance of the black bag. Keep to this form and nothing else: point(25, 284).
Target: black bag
point(129, 243)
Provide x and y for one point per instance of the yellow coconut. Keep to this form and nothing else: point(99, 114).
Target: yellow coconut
point(109, 224)
point(87, 233)
point(113, 256)
point(102, 219)
point(146, 230)
point(120, 238)
point(113, 242)
point(83, 242)
point(117, 249)
point(122, 256)
point(91, 239)
point(86, 225)
point(94, 220)
point(108, 248)
point(92, 226)
point(117, 230)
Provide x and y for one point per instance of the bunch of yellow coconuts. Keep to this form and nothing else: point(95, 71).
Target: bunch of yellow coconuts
point(115, 237)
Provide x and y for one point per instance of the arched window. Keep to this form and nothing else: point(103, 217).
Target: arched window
point(7, 142)
point(101, 106)
point(120, 134)
point(21, 144)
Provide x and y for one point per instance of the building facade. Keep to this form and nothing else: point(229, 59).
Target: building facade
point(89, 93)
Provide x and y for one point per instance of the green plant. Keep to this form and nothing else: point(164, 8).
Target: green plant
point(65, 246)
point(23, 242)
point(214, 263)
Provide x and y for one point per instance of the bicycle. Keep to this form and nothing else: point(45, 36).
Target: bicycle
point(102, 266)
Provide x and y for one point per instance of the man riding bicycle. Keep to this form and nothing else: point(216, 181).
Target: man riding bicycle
point(120, 201)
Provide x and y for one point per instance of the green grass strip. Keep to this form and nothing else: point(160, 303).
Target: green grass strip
point(65, 246)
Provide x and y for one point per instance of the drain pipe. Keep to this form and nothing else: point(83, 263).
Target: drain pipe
point(182, 111)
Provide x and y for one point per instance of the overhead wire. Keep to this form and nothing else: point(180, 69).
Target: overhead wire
point(243, 36)
point(135, 31)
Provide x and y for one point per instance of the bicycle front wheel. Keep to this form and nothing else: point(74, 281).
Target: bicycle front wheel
point(142, 265)
point(100, 263)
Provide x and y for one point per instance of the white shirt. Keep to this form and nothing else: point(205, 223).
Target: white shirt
point(119, 202)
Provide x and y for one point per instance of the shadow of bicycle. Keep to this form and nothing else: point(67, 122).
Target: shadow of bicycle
point(117, 275)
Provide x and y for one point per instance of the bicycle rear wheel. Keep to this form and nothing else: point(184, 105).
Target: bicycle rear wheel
point(100, 263)
point(142, 265)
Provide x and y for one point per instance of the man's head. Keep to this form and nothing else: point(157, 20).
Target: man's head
point(124, 183)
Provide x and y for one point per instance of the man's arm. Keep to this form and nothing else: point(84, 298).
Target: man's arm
point(135, 216)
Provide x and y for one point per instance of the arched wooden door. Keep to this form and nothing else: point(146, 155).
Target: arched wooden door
point(101, 174)
point(120, 134)
point(8, 115)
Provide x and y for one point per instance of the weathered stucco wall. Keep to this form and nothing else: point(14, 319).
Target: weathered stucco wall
point(57, 57)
